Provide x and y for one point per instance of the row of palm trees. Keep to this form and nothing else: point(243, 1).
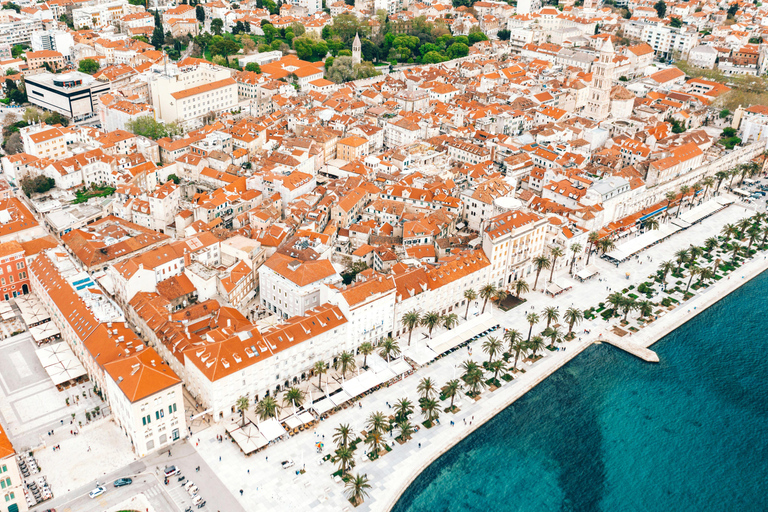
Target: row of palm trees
point(431, 319)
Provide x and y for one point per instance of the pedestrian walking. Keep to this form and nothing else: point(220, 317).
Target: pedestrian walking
point(241, 492)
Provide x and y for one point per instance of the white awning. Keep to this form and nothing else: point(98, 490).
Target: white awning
point(293, 422)
point(322, 406)
point(587, 272)
point(554, 288)
point(305, 417)
point(637, 244)
point(60, 363)
point(340, 397)
point(271, 429)
point(399, 366)
point(702, 211)
point(248, 438)
point(44, 331)
point(455, 337)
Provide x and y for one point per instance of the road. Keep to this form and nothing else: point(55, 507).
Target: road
point(148, 480)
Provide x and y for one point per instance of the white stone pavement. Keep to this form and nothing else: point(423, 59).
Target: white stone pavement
point(268, 487)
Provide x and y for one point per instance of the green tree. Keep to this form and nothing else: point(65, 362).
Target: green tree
point(200, 13)
point(174, 178)
point(551, 314)
point(320, 368)
point(486, 292)
point(341, 435)
point(345, 361)
point(242, 405)
point(366, 349)
point(469, 295)
point(267, 408)
point(389, 349)
point(403, 409)
point(411, 320)
point(451, 390)
point(89, 66)
point(294, 396)
point(540, 263)
point(532, 319)
point(503, 34)
point(573, 316)
point(661, 8)
point(675, 22)
point(357, 489)
point(457, 50)
point(430, 320)
point(146, 126)
point(253, 67)
point(426, 388)
point(376, 422)
point(520, 286)
point(217, 25)
point(491, 346)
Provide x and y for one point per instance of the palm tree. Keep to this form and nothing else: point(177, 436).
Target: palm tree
point(403, 409)
point(670, 197)
point(765, 236)
point(320, 368)
point(551, 314)
point(474, 380)
point(511, 337)
point(737, 249)
point(705, 274)
point(535, 344)
point(389, 349)
point(486, 292)
point(242, 405)
point(427, 388)
point(341, 435)
point(616, 300)
point(497, 366)
point(357, 488)
point(519, 346)
point(651, 223)
point(267, 408)
point(555, 252)
point(470, 295)
point(708, 182)
point(728, 231)
point(520, 287)
point(645, 308)
point(593, 238)
point(696, 188)
point(500, 295)
point(532, 319)
point(346, 361)
point(430, 320)
point(540, 262)
point(430, 410)
point(451, 389)
point(343, 457)
point(606, 244)
point(553, 334)
point(715, 265)
point(710, 244)
point(366, 349)
point(293, 396)
point(733, 173)
point(406, 429)
point(573, 316)
point(666, 267)
point(720, 176)
point(374, 441)
point(743, 225)
point(491, 346)
point(694, 252)
point(683, 192)
point(752, 233)
point(692, 271)
point(575, 249)
point(410, 320)
point(627, 305)
point(681, 257)
point(376, 422)
point(450, 320)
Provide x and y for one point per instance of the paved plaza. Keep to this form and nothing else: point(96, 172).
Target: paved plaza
point(266, 486)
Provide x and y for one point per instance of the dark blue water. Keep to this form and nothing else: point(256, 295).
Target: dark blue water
point(610, 433)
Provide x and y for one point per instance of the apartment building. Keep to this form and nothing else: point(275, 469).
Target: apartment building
point(11, 481)
point(14, 279)
point(511, 241)
point(53, 59)
point(290, 287)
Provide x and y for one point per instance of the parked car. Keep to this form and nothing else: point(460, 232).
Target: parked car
point(189, 484)
point(97, 492)
point(123, 481)
point(287, 464)
point(170, 471)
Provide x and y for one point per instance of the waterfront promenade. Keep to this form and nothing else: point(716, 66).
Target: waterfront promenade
point(265, 486)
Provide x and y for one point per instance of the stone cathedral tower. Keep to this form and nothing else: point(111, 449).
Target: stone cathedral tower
point(599, 101)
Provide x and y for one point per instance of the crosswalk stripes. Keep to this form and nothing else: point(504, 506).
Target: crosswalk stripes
point(155, 490)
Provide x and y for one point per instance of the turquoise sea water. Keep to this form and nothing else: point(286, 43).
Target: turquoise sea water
point(609, 432)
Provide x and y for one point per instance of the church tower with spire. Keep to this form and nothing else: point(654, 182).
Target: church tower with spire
point(357, 50)
point(599, 101)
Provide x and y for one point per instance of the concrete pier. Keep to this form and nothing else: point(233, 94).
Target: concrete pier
point(643, 353)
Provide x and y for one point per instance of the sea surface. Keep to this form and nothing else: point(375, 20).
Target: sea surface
point(608, 432)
